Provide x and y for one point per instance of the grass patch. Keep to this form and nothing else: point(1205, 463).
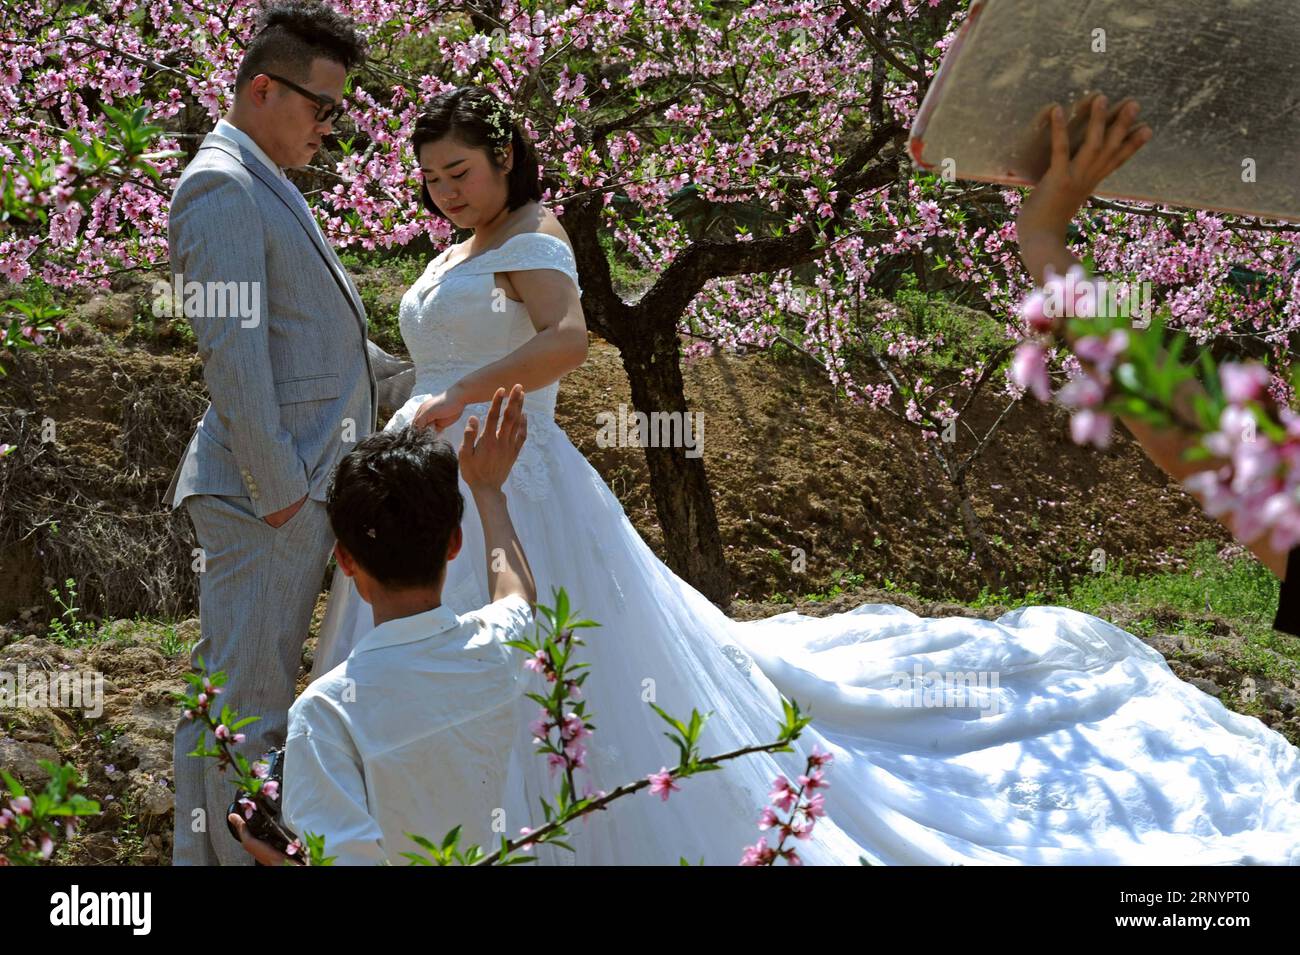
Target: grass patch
point(1240, 588)
point(164, 636)
point(1235, 590)
point(1219, 605)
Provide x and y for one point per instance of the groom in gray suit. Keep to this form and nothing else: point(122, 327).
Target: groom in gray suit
point(291, 375)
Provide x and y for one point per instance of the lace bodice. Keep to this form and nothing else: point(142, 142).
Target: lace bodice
point(454, 320)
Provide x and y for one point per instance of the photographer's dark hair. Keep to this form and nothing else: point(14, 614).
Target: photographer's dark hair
point(467, 113)
point(394, 501)
point(288, 36)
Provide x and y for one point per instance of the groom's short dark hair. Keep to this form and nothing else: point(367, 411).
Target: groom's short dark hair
point(394, 502)
point(289, 35)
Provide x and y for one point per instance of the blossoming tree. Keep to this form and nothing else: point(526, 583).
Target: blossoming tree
point(748, 155)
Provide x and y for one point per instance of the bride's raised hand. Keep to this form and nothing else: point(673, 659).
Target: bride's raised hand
point(440, 411)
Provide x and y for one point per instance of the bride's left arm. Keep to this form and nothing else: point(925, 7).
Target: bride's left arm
point(560, 345)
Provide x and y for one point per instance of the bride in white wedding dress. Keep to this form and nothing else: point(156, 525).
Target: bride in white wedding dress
point(1083, 748)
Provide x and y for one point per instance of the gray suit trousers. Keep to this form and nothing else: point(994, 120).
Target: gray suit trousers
point(256, 595)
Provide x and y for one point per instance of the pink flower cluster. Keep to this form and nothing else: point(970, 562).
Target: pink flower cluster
point(1259, 487)
point(20, 806)
point(223, 732)
point(541, 663)
point(36, 335)
point(1083, 394)
point(204, 699)
point(803, 813)
point(571, 753)
point(572, 731)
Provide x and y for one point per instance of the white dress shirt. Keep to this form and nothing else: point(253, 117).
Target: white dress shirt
point(231, 131)
point(411, 733)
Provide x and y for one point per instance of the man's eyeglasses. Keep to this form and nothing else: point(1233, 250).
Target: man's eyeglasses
point(326, 108)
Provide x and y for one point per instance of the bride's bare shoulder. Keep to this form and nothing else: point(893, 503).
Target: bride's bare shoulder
point(551, 226)
point(543, 220)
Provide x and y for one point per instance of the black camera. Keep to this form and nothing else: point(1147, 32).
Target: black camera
point(265, 822)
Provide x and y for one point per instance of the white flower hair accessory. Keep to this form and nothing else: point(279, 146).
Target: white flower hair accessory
point(502, 120)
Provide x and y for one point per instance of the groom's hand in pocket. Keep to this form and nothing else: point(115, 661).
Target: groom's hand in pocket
point(489, 448)
point(281, 517)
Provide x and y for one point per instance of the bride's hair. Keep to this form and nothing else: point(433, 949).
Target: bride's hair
point(394, 501)
point(475, 117)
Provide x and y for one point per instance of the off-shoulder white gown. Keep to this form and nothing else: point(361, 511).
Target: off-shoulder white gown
point(1083, 747)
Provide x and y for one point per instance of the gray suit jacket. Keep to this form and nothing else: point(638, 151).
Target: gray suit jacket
point(288, 367)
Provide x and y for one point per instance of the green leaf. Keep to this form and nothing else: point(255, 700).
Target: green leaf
point(15, 788)
point(451, 838)
point(677, 724)
point(1126, 374)
point(422, 842)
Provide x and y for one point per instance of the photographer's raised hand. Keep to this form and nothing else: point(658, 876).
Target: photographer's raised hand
point(485, 463)
point(486, 458)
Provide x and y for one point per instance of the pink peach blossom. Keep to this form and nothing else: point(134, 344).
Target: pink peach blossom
point(661, 784)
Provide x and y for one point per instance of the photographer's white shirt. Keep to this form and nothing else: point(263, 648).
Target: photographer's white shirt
point(411, 733)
